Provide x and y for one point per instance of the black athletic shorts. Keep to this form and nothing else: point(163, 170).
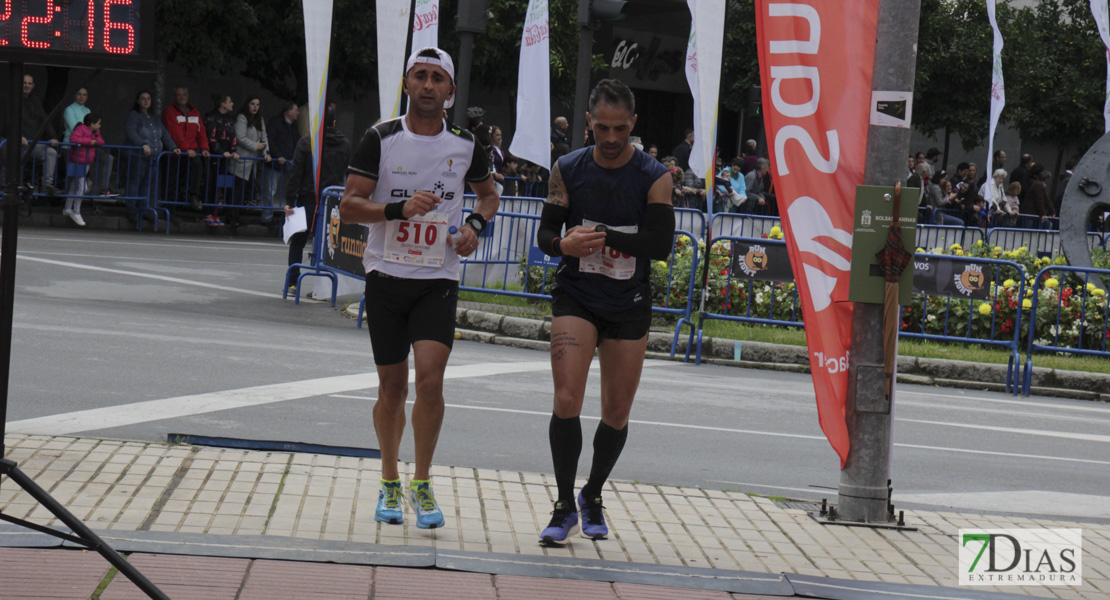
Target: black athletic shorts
point(402, 311)
point(631, 324)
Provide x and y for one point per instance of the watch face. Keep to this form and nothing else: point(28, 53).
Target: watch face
point(95, 33)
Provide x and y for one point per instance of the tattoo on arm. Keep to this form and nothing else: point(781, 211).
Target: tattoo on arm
point(556, 189)
point(560, 342)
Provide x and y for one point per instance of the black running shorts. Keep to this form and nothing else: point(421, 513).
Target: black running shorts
point(631, 324)
point(402, 311)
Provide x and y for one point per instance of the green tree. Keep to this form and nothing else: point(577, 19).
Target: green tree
point(740, 68)
point(953, 82)
point(1058, 87)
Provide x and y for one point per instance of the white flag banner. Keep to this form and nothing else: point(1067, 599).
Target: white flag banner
point(703, 74)
point(1102, 20)
point(532, 138)
point(998, 99)
point(425, 25)
point(392, 37)
point(317, 39)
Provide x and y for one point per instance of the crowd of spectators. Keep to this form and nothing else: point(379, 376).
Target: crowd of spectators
point(1020, 198)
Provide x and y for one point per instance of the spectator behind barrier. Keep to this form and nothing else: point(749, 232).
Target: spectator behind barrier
point(73, 116)
point(146, 131)
point(250, 131)
point(182, 121)
point(34, 118)
point(282, 132)
point(220, 126)
point(300, 186)
point(87, 137)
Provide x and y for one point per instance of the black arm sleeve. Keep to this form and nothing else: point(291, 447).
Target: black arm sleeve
point(551, 227)
point(653, 240)
point(367, 158)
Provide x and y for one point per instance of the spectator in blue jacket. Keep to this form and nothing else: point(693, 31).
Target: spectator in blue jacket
point(283, 134)
point(146, 131)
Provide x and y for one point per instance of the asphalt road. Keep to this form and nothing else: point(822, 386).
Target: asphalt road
point(135, 336)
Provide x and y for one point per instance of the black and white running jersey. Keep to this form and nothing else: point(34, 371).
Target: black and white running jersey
point(402, 162)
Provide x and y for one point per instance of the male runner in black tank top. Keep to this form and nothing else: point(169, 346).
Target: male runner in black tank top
point(615, 201)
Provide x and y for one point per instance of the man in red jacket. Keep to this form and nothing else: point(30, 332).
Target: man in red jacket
point(183, 121)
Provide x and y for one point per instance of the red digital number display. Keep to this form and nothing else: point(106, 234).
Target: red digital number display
point(71, 26)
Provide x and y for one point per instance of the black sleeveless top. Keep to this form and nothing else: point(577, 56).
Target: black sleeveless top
point(614, 197)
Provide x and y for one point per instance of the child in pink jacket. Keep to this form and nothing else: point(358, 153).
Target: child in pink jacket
point(87, 137)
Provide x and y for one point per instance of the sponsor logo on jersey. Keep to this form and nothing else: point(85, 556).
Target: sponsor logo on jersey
point(449, 173)
point(401, 171)
point(437, 190)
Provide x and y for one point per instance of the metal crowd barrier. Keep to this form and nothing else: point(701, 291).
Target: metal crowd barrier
point(1076, 315)
point(213, 182)
point(1040, 242)
point(975, 327)
point(745, 299)
point(943, 236)
point(741, 225)
point(316, 266)
point(688, 219)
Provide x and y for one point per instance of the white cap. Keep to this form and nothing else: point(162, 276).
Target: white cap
point(442, 60)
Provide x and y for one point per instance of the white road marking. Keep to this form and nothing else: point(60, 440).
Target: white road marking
point(142, 259)
point(1009, 412)
point(1068, 435)
point(151, 276)
point(185, 406)
point(1087, 461)
point(177, 242)
point(1080, 405)
point(1018, 501)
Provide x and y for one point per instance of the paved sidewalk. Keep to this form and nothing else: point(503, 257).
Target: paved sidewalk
point(261, 505)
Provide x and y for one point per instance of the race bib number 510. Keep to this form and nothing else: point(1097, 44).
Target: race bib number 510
point(419, 241)
point(609, 262)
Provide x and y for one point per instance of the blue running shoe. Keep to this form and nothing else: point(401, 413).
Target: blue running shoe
point(593, 522)
point(389, 503)
point(564, 520)
point(428, 515)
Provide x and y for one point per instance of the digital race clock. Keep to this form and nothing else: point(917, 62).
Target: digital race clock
point(110, 34)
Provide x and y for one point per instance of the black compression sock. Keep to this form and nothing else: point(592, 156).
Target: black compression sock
point(608, 443)
point(566, 446)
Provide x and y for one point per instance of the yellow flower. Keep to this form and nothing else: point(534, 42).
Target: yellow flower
point(978, 243)
point(984, 309)
point(1099, 293)
point(954, 247)
point(1029, 291)
point(959, 253)
point(1022, 249)
point(1009, 283)
point(998, 248)
point(1090, 287)
point(921, 251)
point(1027, 304)
point(1007, 254)
point(1052, 282)
point(661, 264)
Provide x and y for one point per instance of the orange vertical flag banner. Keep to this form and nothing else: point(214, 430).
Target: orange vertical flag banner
point(815, 61)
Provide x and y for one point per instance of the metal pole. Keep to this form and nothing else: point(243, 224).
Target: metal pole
point(10, 209)
point(462, 81)
point(865, 479)
point(582, 80)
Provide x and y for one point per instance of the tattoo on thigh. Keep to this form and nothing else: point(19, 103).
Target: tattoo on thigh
point(560, 342)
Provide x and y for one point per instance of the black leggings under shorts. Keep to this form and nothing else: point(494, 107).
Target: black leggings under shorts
point(631, 324)
point(402, 311)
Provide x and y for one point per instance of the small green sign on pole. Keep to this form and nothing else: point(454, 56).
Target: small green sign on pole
point(874, 214)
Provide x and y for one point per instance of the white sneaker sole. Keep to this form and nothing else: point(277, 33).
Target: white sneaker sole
point(547, 540)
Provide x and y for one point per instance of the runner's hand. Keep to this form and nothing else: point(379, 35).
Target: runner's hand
point(581, 241)
point(467, 241)
point(421, 204)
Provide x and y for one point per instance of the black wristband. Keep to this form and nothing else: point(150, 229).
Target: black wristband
point(394, 211)
point(556, 248)
point(477, 221)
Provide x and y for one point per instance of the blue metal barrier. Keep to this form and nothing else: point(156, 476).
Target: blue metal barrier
point(741, 225)
point(943, 236)
point(942, 319)
point(1040, 242)
point(317, 268)
point(744, 299)
point(219, 183)
point(1075, 314)
point(688, 219)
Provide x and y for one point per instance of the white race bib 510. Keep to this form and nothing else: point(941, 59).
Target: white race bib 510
point(609, 262)
point(420, 241)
